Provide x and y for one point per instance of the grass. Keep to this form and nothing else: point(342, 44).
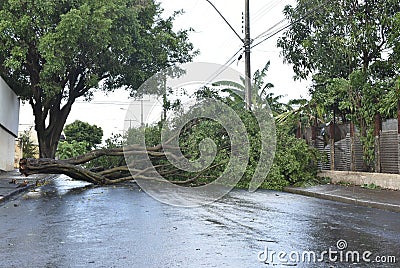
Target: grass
point(371, 186)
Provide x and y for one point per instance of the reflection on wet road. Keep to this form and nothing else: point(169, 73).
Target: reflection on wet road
point(124, 227)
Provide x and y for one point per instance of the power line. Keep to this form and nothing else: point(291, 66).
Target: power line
point(261, 10)
point(247, 47)
point(271, 35)
point(269, 29)
point(222, 16)
point(105, 103)
point(264, 10)
point(228, 63)
point(290, 24)
point(110, 102)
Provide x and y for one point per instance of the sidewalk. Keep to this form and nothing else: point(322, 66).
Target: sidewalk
point(9, 190)
point(356, 195)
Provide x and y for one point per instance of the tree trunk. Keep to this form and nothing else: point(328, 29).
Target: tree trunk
point(49, 136)
point(47, 146)
point(73, 168)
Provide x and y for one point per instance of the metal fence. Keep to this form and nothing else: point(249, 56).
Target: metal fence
point(388, 155)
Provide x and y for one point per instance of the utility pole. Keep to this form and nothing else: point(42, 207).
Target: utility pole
point(130, 122)
point(142, 123)
point(247, 42)
point(141, 112)
point(247, 53)
point(164, 113)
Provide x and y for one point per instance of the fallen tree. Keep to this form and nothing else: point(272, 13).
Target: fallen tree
point(74, 167)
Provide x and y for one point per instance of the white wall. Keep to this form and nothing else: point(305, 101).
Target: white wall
point(9, 116)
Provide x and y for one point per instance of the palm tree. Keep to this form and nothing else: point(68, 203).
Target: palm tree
point(260, 91)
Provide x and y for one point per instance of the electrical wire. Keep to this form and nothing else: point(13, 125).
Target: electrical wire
point(264, 10)
point(222, 16)
point(291, 24)
point(269, 29)
point(105, 102)
point(228, 63)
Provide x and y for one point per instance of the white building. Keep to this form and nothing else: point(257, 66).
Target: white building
point(9, 116)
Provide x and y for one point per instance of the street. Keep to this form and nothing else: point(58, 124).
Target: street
point(65, 226)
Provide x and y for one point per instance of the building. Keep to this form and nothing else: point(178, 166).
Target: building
point(9, 116)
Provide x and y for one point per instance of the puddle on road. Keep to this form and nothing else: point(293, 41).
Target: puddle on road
point(58, 186)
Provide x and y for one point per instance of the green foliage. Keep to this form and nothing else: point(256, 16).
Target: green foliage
point(29, 149)
point(351, 50)
point(199, 130)
point(53, 52)
point(107, 162)
point(394, 41)
point(84, 132)
point(71, 149)
point(121, 41)
point(389, 102)
point(152, 135)
point(344, 183)
point(295, 162)
point(338, 37)
point(371, 186)
point(260, 90)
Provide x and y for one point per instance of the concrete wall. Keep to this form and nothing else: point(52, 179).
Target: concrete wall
point(9, 116)
point(384, 180)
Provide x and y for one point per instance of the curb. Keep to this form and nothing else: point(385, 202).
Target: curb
point(343, 199)
point(8, 197)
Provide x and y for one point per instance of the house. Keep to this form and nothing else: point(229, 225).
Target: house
point(9, 117)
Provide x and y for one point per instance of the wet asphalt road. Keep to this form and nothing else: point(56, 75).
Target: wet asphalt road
point(124, 227)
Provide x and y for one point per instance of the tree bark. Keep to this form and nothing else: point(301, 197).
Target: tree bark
point(29, 166)
point(73, 168)
point(50, 115)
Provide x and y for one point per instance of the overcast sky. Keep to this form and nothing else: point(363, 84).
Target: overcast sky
point(217, 44)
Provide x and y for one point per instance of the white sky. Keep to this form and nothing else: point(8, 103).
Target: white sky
point(216, 42)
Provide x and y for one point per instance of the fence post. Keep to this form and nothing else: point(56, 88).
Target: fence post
point(398, 135)
point(332, 143)
point(377, 145)
point(352, 148)
point(314, 136)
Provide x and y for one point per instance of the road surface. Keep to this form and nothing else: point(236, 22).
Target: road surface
point(64, 226)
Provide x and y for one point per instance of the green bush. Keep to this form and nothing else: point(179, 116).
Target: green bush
point(295, 163)
point(29, 149)
point(84, 132)
point(71, 149)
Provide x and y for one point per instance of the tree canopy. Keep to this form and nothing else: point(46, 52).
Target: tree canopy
point(335, 38)
point(350, 48)
point(83, 132)
point(54, 52)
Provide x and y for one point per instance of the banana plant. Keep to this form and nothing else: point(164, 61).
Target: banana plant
point(261, 91)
